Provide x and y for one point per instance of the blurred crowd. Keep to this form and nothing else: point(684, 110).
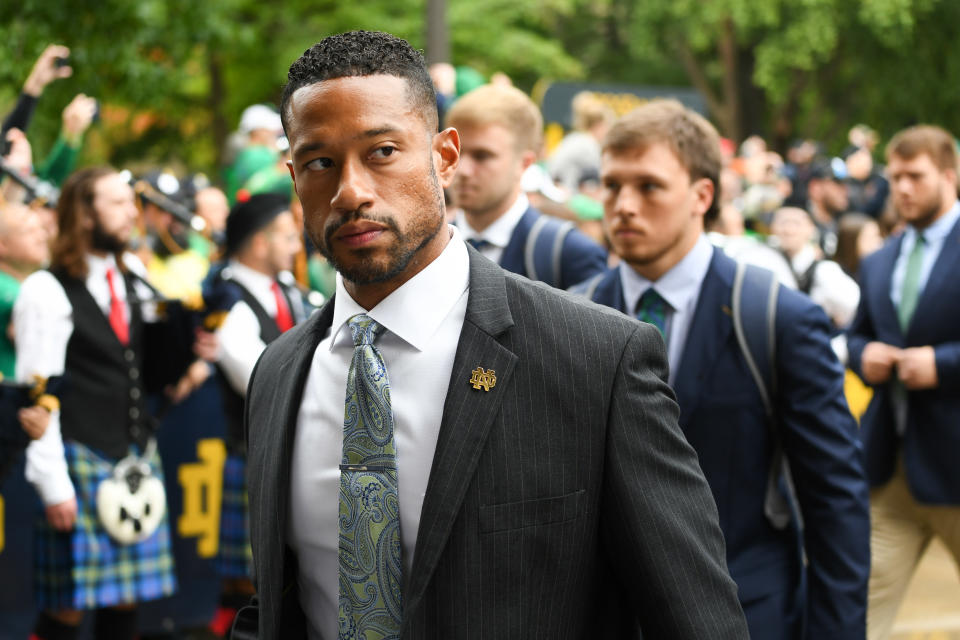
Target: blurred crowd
point(809, 216)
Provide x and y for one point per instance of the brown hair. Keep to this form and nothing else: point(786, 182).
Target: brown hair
point(74, 209)
point(924, 138)
point(506, 106)
point(848, 233)
point(692, 139)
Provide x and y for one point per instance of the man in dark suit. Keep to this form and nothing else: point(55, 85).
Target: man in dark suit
point(905, 342)
point(660, 172)
point(500, 131)
point(505, 461)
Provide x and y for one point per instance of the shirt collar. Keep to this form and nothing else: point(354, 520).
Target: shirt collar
point(499, 233)
point(804, 258)
point(940, 229)
point(432, 293)
point(97, 266)
point(678, 286)
point(250, 279)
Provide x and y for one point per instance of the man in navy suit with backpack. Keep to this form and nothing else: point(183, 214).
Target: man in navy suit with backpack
point(759, 388)
point(500, 131)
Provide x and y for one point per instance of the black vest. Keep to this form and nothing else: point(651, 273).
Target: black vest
point(103, 405)
point(233, 401)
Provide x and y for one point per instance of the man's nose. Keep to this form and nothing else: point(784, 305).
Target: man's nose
point(353, 189)
point(627, 202)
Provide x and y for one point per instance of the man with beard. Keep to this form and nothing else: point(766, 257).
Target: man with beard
point(500, 129)
point(905, 342)
point(445, 449)
point(827, 201)
point(81, 319)
point(660, 170)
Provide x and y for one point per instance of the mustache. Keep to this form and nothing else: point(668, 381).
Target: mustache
point(353, 216)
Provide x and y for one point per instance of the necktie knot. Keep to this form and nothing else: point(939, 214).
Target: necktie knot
point(283, 318)
point(652, 308)
point(364, 329)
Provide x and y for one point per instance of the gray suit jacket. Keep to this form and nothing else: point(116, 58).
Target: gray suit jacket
point(563, 503)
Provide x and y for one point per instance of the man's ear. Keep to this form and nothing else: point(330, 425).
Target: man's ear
point(446, 155)
point(703, 192)
point(527, 159)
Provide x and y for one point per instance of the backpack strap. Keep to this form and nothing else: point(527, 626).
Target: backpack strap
point(589, 288)
point(543, 251)
point(754, 312)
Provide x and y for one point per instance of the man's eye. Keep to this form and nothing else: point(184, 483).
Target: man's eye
point(318, 164)
point(383, 152)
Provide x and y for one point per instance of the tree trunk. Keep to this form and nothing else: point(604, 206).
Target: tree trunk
point(218, 121)
point(438, 37)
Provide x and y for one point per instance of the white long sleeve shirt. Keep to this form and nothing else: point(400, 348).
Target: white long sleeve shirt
point(43, 324)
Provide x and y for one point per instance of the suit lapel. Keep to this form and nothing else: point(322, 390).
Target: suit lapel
point(297, 369)
point(943, 270)
point(512, 258)
point(468, 414)
point(709, 331)
point(609, 291)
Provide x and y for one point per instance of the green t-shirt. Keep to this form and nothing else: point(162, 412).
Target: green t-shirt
point(9, 288)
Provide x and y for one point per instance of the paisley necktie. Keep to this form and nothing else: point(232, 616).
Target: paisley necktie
point(370, 602)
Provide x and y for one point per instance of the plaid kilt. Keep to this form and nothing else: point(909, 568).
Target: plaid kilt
point(234, 558)
point(85, 568)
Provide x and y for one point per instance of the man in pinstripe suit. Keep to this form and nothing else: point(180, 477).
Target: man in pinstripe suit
point(544, 487)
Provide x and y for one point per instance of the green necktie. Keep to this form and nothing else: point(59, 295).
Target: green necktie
point(910, 291)
point(371, 569)
point(652, 308)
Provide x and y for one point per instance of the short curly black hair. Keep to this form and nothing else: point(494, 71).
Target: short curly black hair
point(364, 53)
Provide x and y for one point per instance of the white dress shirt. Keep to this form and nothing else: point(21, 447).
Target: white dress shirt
point(423, 320)
point(43, 324)
point(832, 289)
point(240, 343)
point(680, 287)
point(497, 234)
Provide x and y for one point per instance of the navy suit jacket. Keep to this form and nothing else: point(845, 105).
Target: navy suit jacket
point(722, 416)
point(581, 258)
point(932, 438)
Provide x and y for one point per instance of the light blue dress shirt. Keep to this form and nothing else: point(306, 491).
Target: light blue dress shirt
point(935, 235)
point(680, 287)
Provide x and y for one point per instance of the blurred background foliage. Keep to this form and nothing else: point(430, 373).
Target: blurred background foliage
point(174, 75)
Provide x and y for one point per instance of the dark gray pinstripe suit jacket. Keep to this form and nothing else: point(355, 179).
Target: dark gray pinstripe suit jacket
point(563, 503)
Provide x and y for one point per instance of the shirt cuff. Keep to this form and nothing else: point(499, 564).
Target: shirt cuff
point(46, 467)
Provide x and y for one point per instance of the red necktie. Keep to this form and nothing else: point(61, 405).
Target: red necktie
point(118, 321)
point(284, 319)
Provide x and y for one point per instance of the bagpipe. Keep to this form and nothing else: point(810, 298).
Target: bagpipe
point(148, 193)
point(37, 191)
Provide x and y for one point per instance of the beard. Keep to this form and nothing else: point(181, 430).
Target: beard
point(929, 212)
point(369, 270)
point(101, 240)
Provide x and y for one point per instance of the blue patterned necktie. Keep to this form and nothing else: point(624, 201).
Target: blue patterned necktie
point(652, 308)
point(371, 598)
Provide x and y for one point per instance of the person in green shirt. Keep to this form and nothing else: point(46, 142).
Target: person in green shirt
point(24, 248)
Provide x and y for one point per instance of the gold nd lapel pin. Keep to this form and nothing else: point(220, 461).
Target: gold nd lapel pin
point(483, 379)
